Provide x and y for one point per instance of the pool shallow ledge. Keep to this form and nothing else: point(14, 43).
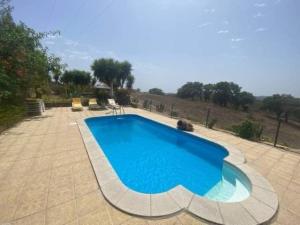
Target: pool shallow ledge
point(258, 208)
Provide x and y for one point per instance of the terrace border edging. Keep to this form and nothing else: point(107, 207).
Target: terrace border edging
point(258, 208)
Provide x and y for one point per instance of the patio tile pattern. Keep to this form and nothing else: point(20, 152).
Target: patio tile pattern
point(46, 176)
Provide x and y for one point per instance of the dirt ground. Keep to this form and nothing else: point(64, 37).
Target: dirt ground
point(226, 117)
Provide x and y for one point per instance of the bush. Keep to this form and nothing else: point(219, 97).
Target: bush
point(212, 123)
point(122, 96)
point(10, 115)
point(146, 104)
point(101, 95)
point(156, 91)
point(134, 102)
point(174, 114)
point(160, 108)
point(248, 130)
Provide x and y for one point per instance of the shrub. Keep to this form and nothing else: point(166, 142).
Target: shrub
point(123, 96)
point(134, 102)
point(101, 95)
point(248, 130)
point(174, 114)
point(160, 108)
point(156, 91)
point(10, 115)
point(146, 104)
point(212, 123)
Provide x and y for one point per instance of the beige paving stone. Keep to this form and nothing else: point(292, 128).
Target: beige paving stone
point(181, 195)
point(7, 213)
point(58, 181)
point(117, 216)
point(97, 217)
point(85, 188)
point(167, 221)
point(52, 133)
point(285, 217)
point(61, 214)
point(61, 194)
point(135, 203)
point(235, 214)
point(208, 210)
point(187, 219)
point(89, 203)
point(258, 210)
point(163, 204)
point(31, 201)
point(135, 221)
point(34, 219)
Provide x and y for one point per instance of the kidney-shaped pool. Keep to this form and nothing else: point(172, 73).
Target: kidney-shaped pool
point(150, 158)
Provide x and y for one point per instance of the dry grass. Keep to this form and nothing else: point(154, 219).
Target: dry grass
point(226, 117)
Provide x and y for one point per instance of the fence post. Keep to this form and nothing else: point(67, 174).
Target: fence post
point(277, 132)
point(171, 114)
point(207, 117)
point(150, 105)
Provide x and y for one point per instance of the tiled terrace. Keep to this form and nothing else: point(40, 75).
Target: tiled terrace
point(46, 176)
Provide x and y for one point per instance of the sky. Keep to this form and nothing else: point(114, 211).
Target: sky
point(254, 43)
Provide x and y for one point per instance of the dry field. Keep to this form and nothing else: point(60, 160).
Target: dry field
point(226, 117)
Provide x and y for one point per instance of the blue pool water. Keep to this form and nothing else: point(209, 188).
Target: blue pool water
point(151, 158)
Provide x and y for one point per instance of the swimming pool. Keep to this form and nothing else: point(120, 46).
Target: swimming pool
point(151, 158)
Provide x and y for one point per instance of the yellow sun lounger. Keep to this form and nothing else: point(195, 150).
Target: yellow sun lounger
point(93, 104)
point(76, 104)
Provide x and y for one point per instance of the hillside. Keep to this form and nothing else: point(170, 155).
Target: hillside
point(226, 117)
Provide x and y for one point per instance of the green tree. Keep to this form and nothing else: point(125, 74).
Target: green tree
point(129, 82)
point(225, 93)
point(208, 90)
point(156, 91)
point(124, 73)
point(75, 80)
point(113, 73)
point(280, 105)
point(107, 71)
point(193, 90)
point(246, 99)
point(25, 65)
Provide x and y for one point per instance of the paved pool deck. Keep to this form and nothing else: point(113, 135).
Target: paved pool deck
point(46, 176)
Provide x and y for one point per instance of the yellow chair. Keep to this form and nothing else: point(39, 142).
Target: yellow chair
point(76, 104)
point(93, 104)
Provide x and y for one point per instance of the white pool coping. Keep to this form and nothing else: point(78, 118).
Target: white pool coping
point(259, 207)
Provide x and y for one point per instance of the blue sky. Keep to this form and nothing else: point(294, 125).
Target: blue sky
point(169, 42)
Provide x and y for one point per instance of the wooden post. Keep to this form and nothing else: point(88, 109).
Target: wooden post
point(207, 117)
point(277, 132)
point(171, 114)
point(150, 105)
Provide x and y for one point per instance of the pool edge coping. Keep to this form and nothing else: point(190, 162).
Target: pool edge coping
point(259, 207)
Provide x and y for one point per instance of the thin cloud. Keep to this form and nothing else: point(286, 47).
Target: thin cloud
point(237, 39)
point(71, 43)
point(277, 1)
point(261, 29)
point(223, 31)
point(258, 15)
point(260, 5)
point(203, 25)
point(212, 10)
point(225, 22)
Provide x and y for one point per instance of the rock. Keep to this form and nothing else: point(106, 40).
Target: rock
point(185, 125)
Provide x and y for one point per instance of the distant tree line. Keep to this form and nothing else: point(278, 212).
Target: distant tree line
point(230, 94)
point(156, 91)
point(109, 71)
point(282, 106)
point(222, 93)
